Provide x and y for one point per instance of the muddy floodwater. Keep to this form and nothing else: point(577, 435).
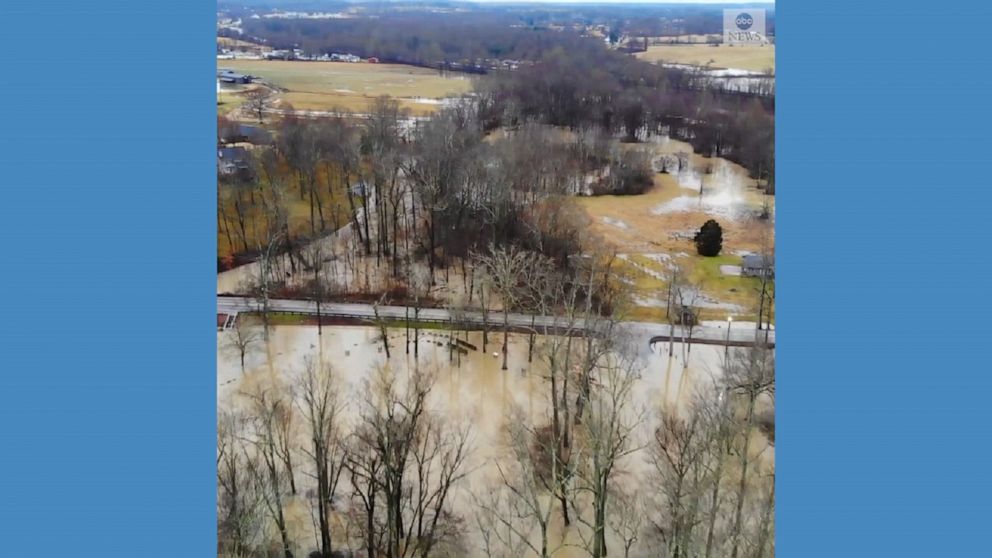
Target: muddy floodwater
point(476, 384)
point(469, 388)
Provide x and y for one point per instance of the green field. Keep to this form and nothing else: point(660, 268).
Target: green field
point(704, 272)
point(340, 85)
point(757, 58)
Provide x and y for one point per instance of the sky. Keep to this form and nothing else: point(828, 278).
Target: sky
point(620, 2)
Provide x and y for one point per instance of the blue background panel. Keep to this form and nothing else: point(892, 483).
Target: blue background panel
point(107, 382)
point(107, 219)
point(882, 302)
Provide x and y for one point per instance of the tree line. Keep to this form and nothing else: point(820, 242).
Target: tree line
point(565, 79)
point(407, 191)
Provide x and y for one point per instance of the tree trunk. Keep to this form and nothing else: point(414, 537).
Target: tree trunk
point(742, 486)
point(714, 503)
point(506, 333)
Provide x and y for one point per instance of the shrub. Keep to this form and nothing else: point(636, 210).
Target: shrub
point(709, 239)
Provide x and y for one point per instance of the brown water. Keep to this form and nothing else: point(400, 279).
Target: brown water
point(474, 391)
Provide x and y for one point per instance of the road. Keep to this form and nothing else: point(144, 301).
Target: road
point(646, 331)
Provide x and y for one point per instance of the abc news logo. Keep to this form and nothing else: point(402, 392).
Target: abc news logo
point(744, 26)
point(744, 21)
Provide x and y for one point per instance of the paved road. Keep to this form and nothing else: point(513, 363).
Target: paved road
point(742, 335)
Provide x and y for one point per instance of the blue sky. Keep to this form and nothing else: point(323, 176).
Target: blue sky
point(621, 2)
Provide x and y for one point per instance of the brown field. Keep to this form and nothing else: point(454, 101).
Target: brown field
point(744, 57)
point(325, 86)
point(711, 38)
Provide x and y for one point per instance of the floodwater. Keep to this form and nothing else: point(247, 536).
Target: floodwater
point(721, 188)
point(469, 389)
point(731, 79)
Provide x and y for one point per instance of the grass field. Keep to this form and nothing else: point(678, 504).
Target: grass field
point(647, 279)
point(340, 85)
point(744, 57)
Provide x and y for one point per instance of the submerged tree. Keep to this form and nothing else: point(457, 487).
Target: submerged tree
point(609, 429)
point(319, 400)
point(405, 461)
point(749, 374)
point(240, 499)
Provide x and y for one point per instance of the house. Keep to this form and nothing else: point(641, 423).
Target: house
point(345, 58)
point(228, 76)
point(373, 60)
point(280, 54)
point(358, 189)
point(754, 265)
point(232, 160)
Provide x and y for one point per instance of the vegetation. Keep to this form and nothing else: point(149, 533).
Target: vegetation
point(709, 239)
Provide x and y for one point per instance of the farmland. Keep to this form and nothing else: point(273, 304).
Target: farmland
point(744, 57)
point(324, 86)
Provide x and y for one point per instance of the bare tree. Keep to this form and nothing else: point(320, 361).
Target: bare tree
point(765, 540)
point(625, 515)
point(266, 280)
point(320, 402)
point(522, 501)
point(265, 408)
point(318, 289)
point(365, 468)
point(239, 498)
point(417, 459)
point(242, 340)
point(381, 323)
point(257, 100)
point(750, 373)
point(677, 456)
point(608, 429)
point(505, 268)
point(717, 420)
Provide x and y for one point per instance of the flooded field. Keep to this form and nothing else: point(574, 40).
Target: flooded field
point(652, 231)
point(681, 200)
point(469, 389)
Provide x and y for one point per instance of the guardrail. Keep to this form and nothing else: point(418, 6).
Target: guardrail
point(474, 321)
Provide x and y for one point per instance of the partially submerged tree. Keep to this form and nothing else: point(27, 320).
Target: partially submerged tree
point(522, 502)
point(242, 340)
point(609, 432)
point(678, 454)
point(506, 267)
point(318, 397)
point(416, 459)
point(749, 374)
point(266, 409)
point(240, 515)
